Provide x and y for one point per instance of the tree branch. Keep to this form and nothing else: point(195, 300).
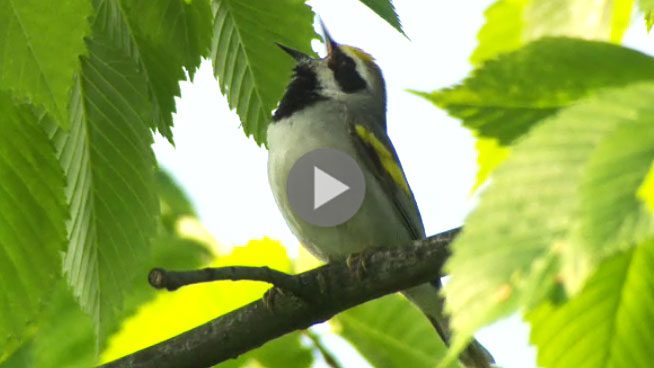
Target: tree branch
point(334, 288)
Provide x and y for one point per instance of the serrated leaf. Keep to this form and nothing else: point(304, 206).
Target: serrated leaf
point(66, 337)
point(511, 24)
point(507, 97)
point(386, 10)
point(609, 324)
point(162, 37)
point(251, 69)
point(111, 190)
point(42, 43)
point(514, 240)
point(646, 189)
point(390, 332)
point(33, 213)
point(612, 218)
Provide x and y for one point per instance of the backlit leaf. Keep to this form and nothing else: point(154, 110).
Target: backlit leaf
point(251, 69)
point(42, 42)
point(32, 222)
point(609, 324)
point(515, 239)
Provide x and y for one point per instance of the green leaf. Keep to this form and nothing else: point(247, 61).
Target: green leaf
point(647, 7)
point(42, 43)
point(507, 97)
point(161, 37)
point(251, 69)
point(65, 339)
point(111, 190)
point(609, 324)
point(502, 31)
point(390, 332)
point(22, 358)
point(32, 222)
point(511, 24)
point(286, 351)
point(646, 190)
point(612, 217)
point(515, 238)
point(386, 10)
point(490, 154)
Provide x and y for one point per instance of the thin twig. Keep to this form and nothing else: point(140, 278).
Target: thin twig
point(173, 280)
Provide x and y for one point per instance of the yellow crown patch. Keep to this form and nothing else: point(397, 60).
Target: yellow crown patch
point(366, 57)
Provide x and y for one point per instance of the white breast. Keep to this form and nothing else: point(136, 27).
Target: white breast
point(375, 224)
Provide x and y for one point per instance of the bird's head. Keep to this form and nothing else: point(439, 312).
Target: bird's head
point(347, 74)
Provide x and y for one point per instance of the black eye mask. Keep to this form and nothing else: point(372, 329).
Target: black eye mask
point(345, 72)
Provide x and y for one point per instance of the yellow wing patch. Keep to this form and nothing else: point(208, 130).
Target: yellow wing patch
point(385, 157)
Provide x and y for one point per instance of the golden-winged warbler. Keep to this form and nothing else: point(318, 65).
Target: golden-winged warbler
point(339, 102)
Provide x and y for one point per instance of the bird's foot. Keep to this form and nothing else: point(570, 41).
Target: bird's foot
point(271, 296)
point(356, 264)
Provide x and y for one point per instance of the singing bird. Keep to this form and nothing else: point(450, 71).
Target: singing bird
point(339, 102)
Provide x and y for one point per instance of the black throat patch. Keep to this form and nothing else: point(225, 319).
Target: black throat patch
point(303, 91)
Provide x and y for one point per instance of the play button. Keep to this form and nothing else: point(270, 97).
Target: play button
point(326, 187)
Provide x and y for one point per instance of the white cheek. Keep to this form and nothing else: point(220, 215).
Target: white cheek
point(329, 84)
point(362, 69)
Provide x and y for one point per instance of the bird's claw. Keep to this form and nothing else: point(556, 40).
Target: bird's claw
point(357, 264)
point(270, 297)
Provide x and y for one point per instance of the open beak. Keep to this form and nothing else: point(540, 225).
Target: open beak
point(329, 42)
point(297, 55)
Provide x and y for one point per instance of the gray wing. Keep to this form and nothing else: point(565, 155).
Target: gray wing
point(377, 152)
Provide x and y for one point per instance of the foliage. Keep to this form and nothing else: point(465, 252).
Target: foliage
point(507, 96)
point(511, 24)
point(568, 209)
point(616, 305)
point(38, 70)
point(30, 238)
point(559, 207)
point(564, 231)
point(390, 332)
point(251, 69)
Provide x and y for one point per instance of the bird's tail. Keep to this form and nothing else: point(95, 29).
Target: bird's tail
point(427, 298)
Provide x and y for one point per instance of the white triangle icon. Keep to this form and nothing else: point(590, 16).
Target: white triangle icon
point(325, 188)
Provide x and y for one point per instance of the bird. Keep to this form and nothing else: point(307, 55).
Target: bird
point(339, 102)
